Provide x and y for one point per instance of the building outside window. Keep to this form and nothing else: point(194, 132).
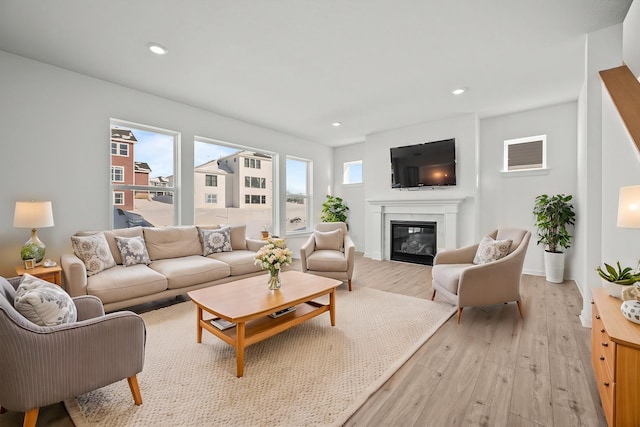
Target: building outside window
point(211, 181)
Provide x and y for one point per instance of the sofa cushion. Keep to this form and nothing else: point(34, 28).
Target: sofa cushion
point(44, 303)
point(239, 237)
point(172, 241)
point(448, 275)
point(94, 251)
point(324, 260)
point(132, 250)
point(214, 241)
point(240, 262)
point(191, 270)
point(121, 232)
point(490, 250)
point(122, 283)
point(329, 240)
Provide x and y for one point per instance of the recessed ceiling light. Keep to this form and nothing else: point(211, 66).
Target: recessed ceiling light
point(458, 91)
point(157, 48)
point(336, 124)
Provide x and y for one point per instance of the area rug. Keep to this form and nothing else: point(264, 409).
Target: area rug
point(312, 374)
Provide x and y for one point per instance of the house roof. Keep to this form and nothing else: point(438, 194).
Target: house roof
point(142, 167)
point(122, 135)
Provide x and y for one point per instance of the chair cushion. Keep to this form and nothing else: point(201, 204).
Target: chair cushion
point(132, 250)
point(214, 241)
point(491, 250)
point(191, 270)
point(94, 251)
point(328, 240)
point(239, 261)
point(448, 275)
point(122, 283)
point(323, 260)
point(44, 303)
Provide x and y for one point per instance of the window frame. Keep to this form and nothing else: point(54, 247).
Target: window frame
point(529, 139)
point(113, 173)
point(308, 196)
point(118, 193)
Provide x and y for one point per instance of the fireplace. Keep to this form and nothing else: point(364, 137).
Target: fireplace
point(413, 241)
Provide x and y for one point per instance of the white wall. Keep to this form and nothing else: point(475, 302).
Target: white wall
point(377, 173)
point(508, 198)
point(352, 194)
point(631, 38)
point(55, 146)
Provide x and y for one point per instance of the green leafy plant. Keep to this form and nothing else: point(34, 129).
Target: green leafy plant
point(553, 215)
point(621, 276)
point(334, 210)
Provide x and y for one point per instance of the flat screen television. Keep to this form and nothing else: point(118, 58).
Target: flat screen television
point(430, 164)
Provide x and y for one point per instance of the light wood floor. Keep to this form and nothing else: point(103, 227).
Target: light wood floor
point(494, 369)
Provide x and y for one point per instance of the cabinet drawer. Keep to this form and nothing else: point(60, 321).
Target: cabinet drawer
point(601, 344)
point(606, 388)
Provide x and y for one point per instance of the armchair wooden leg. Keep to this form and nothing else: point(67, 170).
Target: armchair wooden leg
point(519, 302)
point(459, 314)
point(30, 417)
point(349, 285)
point(434, 295)
point(135, 390)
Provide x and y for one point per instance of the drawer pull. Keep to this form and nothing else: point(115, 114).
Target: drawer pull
point(605, 344)
point(602, 330)
point(597, 316)
point(601, 357)
point(605, 383)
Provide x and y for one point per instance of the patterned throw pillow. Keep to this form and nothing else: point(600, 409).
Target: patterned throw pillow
point(132, 250)
point(214, 241)
point(491, 250)
point(94, 252)
point(44, 303)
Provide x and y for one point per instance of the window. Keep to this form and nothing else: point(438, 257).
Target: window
point(144, 160)
point(298, 194)
point(251, 163)
point(211, 199)
point(211, 180)
point(352, 172)
point(117, 174)
point(255, 182)
point(118, 198)
point(525, 153)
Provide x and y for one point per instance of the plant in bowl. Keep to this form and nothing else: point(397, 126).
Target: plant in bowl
point(616, 279)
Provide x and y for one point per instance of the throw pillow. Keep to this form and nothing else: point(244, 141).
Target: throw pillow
point(214, 241)
point(491, 250)
point(329, 240)
point(132, 250)
point(44, 303)
point(94, 252)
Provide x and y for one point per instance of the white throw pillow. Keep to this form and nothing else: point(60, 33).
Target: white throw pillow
point(132, 250)
point(490, 250)
point(94, 252)
point(215, 241)
point(329, 240)
point(44, 303)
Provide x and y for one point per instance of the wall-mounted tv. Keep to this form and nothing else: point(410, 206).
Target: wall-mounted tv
point(430, 164)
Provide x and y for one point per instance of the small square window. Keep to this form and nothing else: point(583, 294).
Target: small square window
point(352, 172)
point(525, 153)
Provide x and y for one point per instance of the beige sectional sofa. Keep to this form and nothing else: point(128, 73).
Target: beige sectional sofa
point(174, 266)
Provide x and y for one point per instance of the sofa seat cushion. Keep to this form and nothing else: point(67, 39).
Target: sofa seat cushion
point(190, 270)
point(122, 283)
point(240, 262)
point(327, 260)
point(448, 275)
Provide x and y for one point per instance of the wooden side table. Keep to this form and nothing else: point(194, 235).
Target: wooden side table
point(50, 274)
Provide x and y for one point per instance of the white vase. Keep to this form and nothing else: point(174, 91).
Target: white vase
point(554, 266)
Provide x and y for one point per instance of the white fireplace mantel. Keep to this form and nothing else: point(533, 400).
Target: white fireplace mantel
point(443, 211)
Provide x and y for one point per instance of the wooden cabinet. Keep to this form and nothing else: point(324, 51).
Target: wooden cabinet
point(615, 355)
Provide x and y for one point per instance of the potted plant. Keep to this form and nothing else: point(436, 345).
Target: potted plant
point(334, 210)
point(616, 280)
point(553, 214)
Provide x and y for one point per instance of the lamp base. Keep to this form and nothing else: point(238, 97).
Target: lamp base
point(33, 249)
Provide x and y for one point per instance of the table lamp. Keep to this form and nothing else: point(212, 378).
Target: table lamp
point(629, 207)
point(33, 215)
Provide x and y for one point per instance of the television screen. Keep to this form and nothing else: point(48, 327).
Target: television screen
point(431, 164)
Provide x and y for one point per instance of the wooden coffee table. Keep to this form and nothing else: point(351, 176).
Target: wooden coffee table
point(248, 302)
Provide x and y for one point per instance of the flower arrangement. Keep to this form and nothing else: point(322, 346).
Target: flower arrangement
point(334, 210)
point(273, 256)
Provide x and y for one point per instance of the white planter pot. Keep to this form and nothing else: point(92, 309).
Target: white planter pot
point(554, 267)
point(614, 289)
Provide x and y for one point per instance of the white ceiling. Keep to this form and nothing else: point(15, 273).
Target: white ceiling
point(299, 65)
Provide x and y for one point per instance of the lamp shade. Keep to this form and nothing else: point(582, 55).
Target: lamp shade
point(629, 207)
point(33, 215)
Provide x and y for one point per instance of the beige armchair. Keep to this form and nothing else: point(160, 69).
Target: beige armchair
point(42, 365)
point(466, 284)
point(329, 252)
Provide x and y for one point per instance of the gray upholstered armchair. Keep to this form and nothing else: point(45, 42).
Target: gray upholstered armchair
point(466, 284)
point(42, 365)
point(329, 252)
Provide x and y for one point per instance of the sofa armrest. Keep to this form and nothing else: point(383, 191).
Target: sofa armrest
point(463, 255)
point(75, 275)
point(306, 250)
point(88, 307)
point(255, 244)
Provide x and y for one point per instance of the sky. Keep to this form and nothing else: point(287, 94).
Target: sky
point(156, 150)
